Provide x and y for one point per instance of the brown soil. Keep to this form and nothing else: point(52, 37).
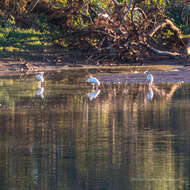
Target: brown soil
point(8, 65)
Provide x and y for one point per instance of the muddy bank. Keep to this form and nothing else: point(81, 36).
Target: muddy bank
point(178, 75)
point(8, 65)
point(164, 71)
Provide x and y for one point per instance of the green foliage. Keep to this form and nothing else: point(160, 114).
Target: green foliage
point(15, 39)
point(102, 5)
point(19, 39)
point(59, 3)
point(181, 16)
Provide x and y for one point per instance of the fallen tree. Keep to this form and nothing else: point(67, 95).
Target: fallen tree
point(131, 34)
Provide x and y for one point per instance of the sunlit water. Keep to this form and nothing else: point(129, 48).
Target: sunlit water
point(63, 134)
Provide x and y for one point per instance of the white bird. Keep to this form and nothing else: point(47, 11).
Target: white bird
point(149, 77)
point(93, 80)
point(93, 95)
point(40, 76)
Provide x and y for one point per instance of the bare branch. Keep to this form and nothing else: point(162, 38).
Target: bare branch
point(162, 25)
point(34, 5)
point(163, 53)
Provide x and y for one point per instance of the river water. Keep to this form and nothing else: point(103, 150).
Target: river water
point(63, 134)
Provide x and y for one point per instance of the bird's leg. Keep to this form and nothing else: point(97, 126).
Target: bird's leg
point(150, 84)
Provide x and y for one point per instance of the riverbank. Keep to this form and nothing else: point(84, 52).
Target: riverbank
point(14, 65)
point(165, 70)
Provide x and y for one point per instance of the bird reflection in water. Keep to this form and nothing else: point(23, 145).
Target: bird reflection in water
point(93, 95)
point(150, 93)
point(40, 90)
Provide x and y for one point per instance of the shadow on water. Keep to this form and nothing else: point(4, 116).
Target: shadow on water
point(119, 136)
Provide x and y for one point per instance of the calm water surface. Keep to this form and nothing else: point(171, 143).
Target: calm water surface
point(65, 135)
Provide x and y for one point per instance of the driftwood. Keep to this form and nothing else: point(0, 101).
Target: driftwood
point(132, 39)
point(163, 52)
point(129, 33)
point(176, 30)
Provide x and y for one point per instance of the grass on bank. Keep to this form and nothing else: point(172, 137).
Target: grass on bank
point(29, 43)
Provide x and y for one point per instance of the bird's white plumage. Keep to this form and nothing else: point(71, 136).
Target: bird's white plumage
point(149, 77)
point(40, 77)
point(93, 80)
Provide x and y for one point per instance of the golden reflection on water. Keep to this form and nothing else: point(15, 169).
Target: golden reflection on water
point(118, 140)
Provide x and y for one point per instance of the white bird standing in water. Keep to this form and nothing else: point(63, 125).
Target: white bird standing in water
point(40, 77)
point(93, 81)
point(149, 77)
